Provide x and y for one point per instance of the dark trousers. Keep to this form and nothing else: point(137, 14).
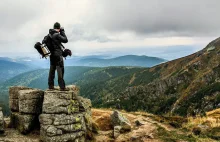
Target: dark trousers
point(59, 66)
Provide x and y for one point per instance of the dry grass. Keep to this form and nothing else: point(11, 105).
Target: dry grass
point(212, 119)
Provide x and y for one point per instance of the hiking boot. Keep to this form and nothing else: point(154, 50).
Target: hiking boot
point(51, 88)
point(64, 89)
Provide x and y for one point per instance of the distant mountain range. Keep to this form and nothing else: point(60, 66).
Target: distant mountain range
point(128, 60)
point(9, 69)
point(96, 61)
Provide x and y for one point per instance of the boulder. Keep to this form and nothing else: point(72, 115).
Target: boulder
point(24, 123)
point(85, 105)
point(13, 97)
point(119, 119)
point(30, 101)
point(116, 131)
point(1, 121)
point(57, 102)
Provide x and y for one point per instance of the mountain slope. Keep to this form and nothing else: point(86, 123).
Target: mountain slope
point(10, 69)
point(186, 86)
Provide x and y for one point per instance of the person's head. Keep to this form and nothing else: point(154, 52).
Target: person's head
point(56, 26)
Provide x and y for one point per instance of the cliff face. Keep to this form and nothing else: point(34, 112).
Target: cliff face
point(60, 115)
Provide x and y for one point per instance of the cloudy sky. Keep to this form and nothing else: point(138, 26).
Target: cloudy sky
point(162, 28)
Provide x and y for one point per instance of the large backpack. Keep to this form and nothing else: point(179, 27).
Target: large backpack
point(42, 49)
point(46, 47)
point(48, 41)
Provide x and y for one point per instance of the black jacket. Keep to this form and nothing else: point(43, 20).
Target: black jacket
point(58, 39)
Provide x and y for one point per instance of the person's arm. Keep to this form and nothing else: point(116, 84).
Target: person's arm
point(62, 37)
point(45, 38)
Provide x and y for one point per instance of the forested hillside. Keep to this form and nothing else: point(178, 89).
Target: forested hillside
point(10, 69)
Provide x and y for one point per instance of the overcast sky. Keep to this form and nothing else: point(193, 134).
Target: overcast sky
point(163, 28)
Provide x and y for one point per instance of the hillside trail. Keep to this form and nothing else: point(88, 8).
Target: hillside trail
point(145, 132)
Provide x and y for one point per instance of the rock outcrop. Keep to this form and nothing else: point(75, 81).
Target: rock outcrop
point(65, 116)
point(60, 115)
point(25, 104)
point(1, 121)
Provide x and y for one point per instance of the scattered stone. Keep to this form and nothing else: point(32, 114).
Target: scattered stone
point(118, 119)
point(1, 121)
point(117, 130)
point(196, 130)
point(150, 136)
point(139, 123)
point(136, 139)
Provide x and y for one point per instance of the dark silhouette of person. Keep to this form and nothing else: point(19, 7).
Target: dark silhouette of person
point(58, 37)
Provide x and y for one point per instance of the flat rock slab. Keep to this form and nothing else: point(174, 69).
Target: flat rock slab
point(13, 91)
point(60, 119)
point(30, 101)
point(51, 130)
point(57, 102)
point(24, 123)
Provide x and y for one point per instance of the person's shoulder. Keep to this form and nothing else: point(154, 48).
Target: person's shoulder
point(55, 35)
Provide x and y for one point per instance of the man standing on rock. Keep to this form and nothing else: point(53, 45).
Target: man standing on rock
point(58, 36)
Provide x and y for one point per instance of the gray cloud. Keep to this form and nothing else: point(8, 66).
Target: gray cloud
point(80, 32)
point(24, 22)
point(158, 17)
point(15, 14)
